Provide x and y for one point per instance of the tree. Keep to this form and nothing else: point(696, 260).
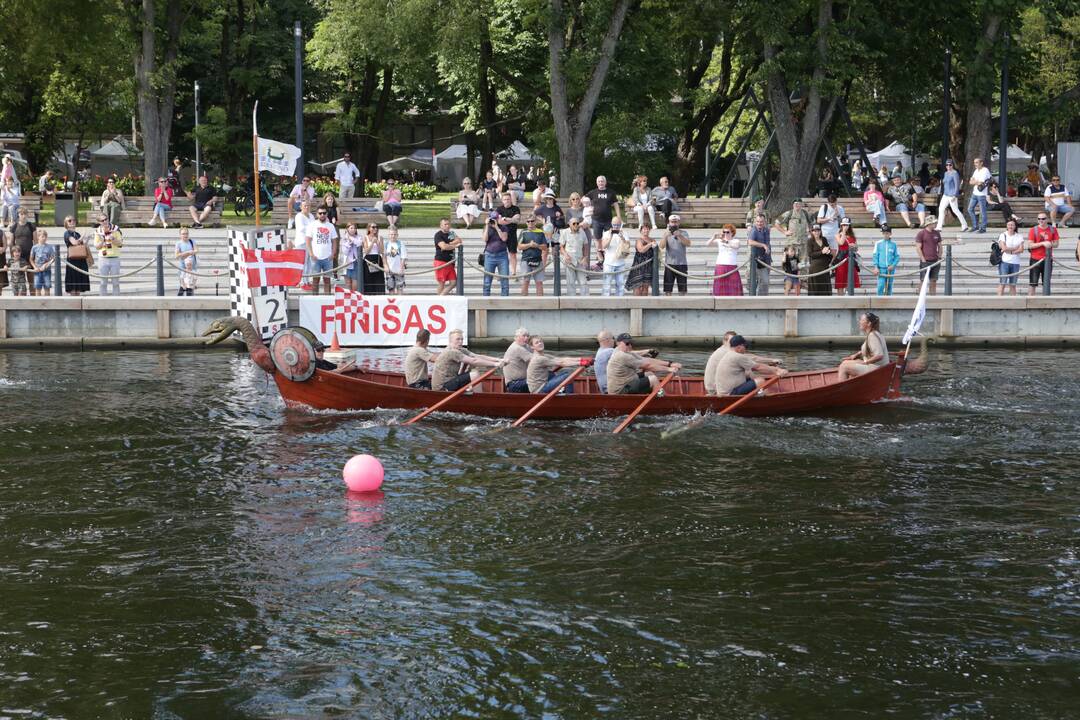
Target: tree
point(576, 75)
point(155, 60)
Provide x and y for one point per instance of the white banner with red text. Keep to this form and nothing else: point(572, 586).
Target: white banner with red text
point(386, 320)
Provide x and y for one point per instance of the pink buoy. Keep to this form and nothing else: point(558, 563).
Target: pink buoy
point(363, 473)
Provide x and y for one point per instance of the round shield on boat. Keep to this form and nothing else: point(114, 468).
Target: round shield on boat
point(293, 355)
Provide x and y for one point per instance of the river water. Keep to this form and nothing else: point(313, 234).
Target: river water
point(175, 544)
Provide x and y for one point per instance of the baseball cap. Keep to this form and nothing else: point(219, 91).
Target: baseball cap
point(675, 217)
point(493, 215)
point(736, 340)
point(624, 337)
point(845, 221)
point(815, 226)
point(886, 229)
point(549, 193)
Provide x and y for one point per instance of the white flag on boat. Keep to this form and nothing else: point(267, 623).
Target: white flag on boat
point(920, 311)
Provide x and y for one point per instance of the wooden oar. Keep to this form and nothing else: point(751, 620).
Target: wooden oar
point(630, 418)
point(696, 422)
point(449, 397)
point(554, 391)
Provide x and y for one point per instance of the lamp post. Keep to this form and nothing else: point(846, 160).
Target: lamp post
point(1003, 141)
point(198, 157)
point(945, 113)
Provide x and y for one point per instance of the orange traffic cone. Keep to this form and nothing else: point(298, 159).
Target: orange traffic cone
point(335, 346)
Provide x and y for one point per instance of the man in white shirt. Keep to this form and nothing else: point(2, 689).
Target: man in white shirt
point(346, 174)
point(1057, 201)
point(45, 183)
point(320, 237)
point(980, 184)
point(300, 193)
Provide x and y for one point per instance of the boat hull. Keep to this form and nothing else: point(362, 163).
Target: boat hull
point(797, 392)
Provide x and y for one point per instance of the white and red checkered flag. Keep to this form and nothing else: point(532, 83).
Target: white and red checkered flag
point(273, 267)
point(347, 303)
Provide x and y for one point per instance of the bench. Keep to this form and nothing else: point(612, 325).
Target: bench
point(356, 209)
point(32, 205)
point(139, 210)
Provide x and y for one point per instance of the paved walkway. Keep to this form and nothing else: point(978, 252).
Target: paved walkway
point(970, 250)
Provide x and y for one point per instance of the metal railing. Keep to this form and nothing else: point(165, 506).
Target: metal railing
point(950, 269)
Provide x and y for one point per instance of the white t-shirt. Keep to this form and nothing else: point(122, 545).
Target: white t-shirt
point(981, 175)
point(1058, 201)
point(302, 221)
point(726, 255)
point(321, 235)
point(1011, 246)
point(600, 367)
point(396, 255)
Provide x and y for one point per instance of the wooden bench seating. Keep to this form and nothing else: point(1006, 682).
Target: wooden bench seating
point(32, 205)
point(140, 210)
point(357, 209)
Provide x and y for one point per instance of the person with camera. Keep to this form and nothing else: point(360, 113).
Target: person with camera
point(496, 256)
point(107, 241)
point(980, 183)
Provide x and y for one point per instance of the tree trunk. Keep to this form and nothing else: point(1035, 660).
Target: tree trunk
point(573, 122)
point(799, 130)
point(488, 97)
point(155, 84)
point(978, 95)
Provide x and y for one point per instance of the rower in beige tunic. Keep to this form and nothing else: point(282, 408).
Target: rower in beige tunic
point(516, 363)
point(416, 362)
point(449, 375)
point(631, 374)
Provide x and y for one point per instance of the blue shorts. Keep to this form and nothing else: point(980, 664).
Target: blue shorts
point(745, 389)
point(1008, 269)
point(43, 280)
point(1060, 209)
point(392, 208)
point(320, 266)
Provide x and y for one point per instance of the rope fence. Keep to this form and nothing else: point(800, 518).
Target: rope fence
point(462, 261)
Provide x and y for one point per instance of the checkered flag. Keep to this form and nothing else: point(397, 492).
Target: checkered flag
point(347, 304)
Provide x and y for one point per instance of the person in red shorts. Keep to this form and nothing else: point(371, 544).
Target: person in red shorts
point(446, 242)
point(1041, 238)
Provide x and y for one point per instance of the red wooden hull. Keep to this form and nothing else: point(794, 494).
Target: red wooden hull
point(798, 392)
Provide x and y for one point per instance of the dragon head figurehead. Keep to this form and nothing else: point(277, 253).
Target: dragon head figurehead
point(224, 327)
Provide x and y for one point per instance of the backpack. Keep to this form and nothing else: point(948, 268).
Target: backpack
point(995, 254)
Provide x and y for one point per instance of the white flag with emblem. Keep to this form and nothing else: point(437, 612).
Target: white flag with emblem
point(278, 157)
point(920, 311)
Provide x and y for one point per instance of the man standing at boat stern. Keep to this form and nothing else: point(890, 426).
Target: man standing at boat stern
point(416, 362)
point(631, 374)
point(516, 363)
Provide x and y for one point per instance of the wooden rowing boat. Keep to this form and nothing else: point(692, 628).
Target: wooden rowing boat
point(797, 392)
point(290, 359)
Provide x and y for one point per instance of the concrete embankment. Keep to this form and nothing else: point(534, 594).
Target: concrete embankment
point(130, 322)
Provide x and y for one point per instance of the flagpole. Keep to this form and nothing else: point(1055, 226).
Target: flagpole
point(255, 147)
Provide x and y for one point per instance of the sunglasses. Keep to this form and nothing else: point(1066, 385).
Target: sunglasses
point(1042, 219)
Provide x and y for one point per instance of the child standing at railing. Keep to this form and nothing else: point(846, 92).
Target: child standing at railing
point(886, 258)
point(792, 284)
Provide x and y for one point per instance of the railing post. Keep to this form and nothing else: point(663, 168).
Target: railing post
point(160, 272)
point(850, 272)
point(58, 278)
point(460, 270)
point(357, 272)
point(948, 269)
point(656, 271)
point(1049, 267)
point(360, 267)
point(557, 269)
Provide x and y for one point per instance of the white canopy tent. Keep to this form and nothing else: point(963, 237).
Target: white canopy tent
point(451, 166)
point(518, 154)
point(419, 160)
point(1016, 160)
point(117, 156)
